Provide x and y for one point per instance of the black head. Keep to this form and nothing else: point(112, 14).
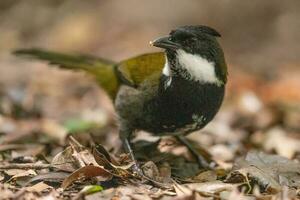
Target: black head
point(195, 40)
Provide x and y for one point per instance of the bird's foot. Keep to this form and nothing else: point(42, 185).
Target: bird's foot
point(137, 171)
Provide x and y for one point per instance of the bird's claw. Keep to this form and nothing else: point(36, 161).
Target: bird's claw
point(137, 171)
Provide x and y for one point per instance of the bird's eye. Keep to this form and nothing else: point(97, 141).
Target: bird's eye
point(172, 38)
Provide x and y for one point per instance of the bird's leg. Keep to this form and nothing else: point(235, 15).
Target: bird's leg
point(128, 149)
point(200, 159)
point(125, 134)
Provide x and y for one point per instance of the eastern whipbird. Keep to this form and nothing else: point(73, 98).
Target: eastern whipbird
point(174, 92)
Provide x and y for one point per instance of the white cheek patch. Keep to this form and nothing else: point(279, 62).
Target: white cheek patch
point(198, 67)
point(166, 70)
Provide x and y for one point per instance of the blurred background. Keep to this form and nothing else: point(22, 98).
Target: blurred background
point(255, 34)
point(260, 40)
point(41, 105)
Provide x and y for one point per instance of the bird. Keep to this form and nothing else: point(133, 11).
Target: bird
point(174, 92)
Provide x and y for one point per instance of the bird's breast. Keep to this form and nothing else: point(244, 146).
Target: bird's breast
point(184, 106)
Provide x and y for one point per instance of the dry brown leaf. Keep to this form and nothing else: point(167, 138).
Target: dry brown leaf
point(206, 176)
point(13, 172)
point(182, 191)
point(73, 157)
point(39, 187)
point(23, 177)
point(150, 170)
point(50, 177)
point(82, 156)
point(27, 173)
point(102, 150)
point(64, 160)
point(211, 187)
point(89, 171)
point(271, 172)
point(103, 158)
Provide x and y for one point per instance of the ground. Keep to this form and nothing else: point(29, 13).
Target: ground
point(50, 149)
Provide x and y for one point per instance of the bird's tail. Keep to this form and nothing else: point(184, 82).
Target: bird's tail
point(103, 70)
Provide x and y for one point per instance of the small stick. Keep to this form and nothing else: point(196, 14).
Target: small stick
point(25, 166)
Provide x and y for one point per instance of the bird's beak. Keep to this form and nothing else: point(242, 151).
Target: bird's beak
point(165, 43)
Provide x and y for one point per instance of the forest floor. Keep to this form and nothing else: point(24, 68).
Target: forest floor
point(59, 139)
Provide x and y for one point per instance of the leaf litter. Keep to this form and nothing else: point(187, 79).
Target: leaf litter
point(52, 151)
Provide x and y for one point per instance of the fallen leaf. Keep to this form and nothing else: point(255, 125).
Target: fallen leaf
point(73, 157)
point(64, 160)
point(89, 189)
point(22, 177)
point(39, 187)
point(150, 170)
point(82, 156)
point(89, 171)
point(182, 191)
point(271, 172)
point(50, 177)
point(103, 158)
point(110, 157)
point(211, 187)
point(27, 173)
point(206, 176)
point(13, 172)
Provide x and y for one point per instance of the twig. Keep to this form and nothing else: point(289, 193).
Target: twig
point(26, 166)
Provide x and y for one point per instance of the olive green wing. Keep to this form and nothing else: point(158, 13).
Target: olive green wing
point(108, 74)
point(103, 70)
point(136, 70)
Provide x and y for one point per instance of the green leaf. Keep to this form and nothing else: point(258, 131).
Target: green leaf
point(89, 189)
